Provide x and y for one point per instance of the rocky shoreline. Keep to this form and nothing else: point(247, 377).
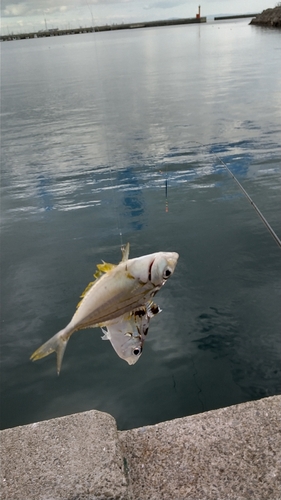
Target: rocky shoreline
point(269, 17)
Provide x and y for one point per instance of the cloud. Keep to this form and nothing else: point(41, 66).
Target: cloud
point(34, 8)
point(16, 8)
point(165, 4)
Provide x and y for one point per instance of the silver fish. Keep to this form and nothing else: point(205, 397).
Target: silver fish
point(128, 333)
point(118, 289)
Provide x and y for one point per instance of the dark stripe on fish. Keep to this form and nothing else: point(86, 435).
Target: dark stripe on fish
point(149, 271)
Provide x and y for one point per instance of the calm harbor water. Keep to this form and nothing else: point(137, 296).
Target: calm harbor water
point(93, 127)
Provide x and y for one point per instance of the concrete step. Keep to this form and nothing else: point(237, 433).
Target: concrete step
point(227, 454)
point(68, 458)
point(232, 453)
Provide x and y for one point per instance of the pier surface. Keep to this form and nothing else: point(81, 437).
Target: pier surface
point(227, 454)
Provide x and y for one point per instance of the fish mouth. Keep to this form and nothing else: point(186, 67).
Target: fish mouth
point(173, 259)
point(132, 361)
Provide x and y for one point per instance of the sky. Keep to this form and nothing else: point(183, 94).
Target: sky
point(22, 16)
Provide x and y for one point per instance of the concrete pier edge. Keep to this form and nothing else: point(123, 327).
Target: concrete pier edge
point(232, 453)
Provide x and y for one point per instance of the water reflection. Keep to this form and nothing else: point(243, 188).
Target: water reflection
point(132, 197)
point(44, 192)
point(220, 331)
point(239, 160)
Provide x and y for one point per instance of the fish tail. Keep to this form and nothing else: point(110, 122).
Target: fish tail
point(57, 344)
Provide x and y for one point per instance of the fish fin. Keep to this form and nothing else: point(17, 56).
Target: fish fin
point(79, 304)
point(57, 344)
point(125, 252)
point(101, 268)
point(105, 267)
point(105, 336)
point(131, 277)
point(152, 309)
point(88, 287)
point(97, 274)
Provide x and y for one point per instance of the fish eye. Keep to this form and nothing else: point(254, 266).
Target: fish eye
point(137, 351)
point(167, 273)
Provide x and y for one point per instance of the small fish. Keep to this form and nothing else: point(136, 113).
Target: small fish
point(128, 333)
point(117, 290)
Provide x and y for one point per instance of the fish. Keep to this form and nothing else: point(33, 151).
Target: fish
point(128, 333)
point(117, 290)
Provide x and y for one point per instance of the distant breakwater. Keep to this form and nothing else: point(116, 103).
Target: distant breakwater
point(123, 26)
point(240, 16)
point(106, 27)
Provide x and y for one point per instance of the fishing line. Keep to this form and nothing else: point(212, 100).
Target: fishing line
point(166, 195)
point(262, 217)
point(266, 223)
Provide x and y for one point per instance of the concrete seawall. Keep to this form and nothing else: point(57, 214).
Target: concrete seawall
point(227, 454)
